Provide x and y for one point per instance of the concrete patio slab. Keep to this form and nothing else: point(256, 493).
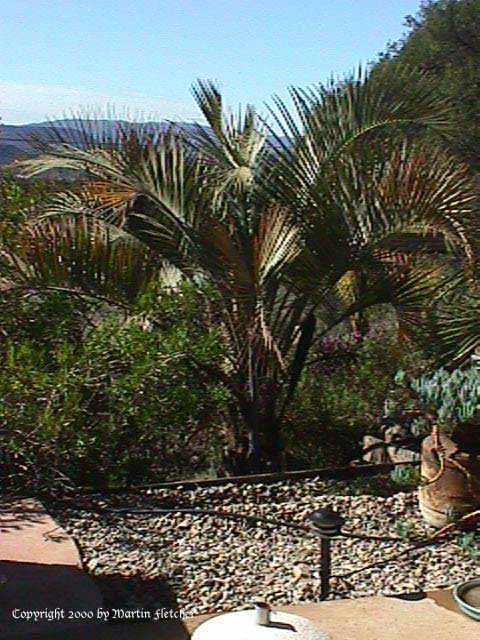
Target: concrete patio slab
point(28, 534)
point(40, 573)
point(376, 618)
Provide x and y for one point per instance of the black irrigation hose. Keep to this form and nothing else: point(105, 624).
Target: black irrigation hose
point(360, 536)
point(236, 516)
point(419, 545)
point(214, 513)
point(256, 519)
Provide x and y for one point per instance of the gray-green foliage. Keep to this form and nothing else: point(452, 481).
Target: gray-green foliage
point(404, 529)
point(469, 544)
point(452, 395)
point(404, 475)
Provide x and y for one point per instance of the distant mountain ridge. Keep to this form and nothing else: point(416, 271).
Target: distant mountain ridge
point(14, 143)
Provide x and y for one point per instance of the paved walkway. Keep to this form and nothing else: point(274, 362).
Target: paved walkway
point(40, 570)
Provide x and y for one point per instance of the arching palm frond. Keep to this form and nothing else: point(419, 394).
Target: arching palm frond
point(79, 255)
point(459, 331)
point(234, 144)
point(364, 210)
point(454, 327)
point(329, 120)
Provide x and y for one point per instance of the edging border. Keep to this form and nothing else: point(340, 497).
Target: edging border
point(325, 473)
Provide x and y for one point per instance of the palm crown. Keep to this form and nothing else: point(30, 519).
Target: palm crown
point(276, 218)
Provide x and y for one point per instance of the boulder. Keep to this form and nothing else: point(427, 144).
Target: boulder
point(378, 453)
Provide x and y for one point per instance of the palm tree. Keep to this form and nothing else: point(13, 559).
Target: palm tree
point(276, 218)
point(454, 324)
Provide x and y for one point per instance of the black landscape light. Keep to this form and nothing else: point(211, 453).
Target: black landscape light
point(327, 523)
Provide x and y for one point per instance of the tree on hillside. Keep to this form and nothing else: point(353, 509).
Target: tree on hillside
point(273, 220)
point(444, 39)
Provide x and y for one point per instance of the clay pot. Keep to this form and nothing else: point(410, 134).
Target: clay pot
point(454, 493)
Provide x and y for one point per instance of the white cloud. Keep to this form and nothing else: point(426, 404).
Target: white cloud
point(25, 103)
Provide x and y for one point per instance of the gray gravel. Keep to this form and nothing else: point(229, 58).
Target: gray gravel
point(209, 564)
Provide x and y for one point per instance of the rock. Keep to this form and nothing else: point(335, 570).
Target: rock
point(400, 454)
point(300, 571)
point(394, 433)
point(377, 455)
point(380, 454)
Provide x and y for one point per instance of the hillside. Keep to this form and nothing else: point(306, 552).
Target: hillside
point(15, 140)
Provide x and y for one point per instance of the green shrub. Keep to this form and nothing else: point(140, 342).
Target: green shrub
point(16, 196)
point(121, 404)
point(468, 544)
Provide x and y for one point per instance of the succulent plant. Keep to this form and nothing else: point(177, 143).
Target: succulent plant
point(453, 396)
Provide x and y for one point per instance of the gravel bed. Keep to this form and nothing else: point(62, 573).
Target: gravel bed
point(205, 564)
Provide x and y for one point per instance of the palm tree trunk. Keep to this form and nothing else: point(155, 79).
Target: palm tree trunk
point(359, 321)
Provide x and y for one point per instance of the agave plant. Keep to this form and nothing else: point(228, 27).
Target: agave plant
point(274, 217)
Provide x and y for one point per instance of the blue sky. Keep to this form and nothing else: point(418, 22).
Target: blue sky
point(143, 55)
